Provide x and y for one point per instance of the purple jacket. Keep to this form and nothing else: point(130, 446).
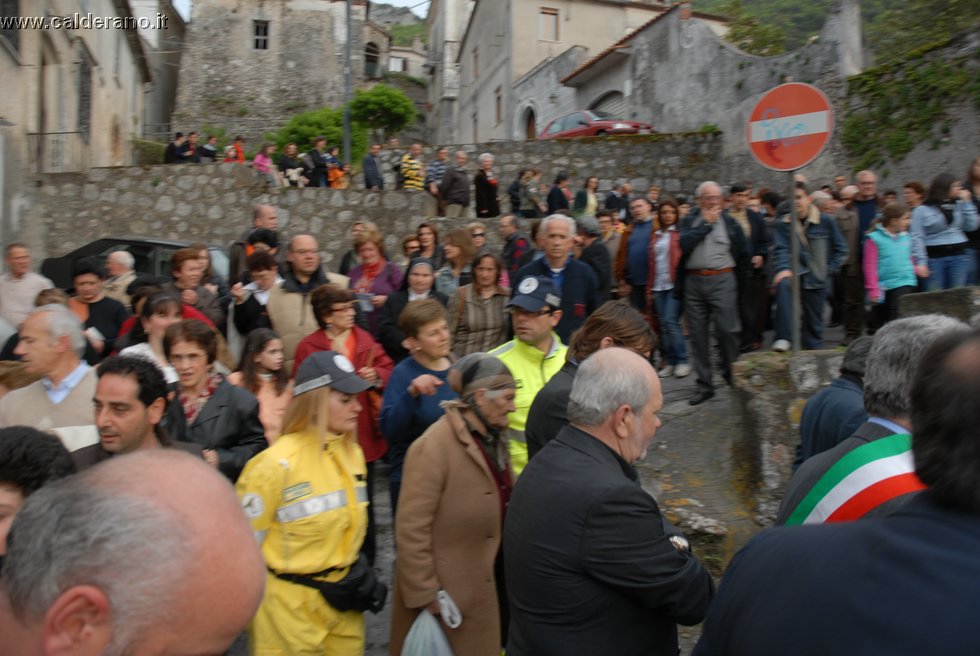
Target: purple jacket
point(388, 281)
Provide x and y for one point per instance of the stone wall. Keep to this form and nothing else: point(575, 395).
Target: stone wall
point(771, 390)
point(962, 303)
point(212, 202)
point(685, 76)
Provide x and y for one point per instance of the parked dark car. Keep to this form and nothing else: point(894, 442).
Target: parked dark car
point(150, 256)
point(592, 123)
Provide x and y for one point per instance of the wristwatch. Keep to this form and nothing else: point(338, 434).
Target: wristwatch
point(680, 543)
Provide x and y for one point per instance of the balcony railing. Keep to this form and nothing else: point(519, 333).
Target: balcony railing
point(58, 152)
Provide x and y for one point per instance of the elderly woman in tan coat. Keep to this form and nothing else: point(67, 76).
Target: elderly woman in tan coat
point(455, 490)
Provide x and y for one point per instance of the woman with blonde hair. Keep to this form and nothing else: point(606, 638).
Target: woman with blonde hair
point(306, 498)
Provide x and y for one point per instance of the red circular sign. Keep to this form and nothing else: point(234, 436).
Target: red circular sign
point(789, 126)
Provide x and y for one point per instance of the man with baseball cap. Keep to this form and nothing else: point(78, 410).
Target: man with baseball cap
point(534, 355)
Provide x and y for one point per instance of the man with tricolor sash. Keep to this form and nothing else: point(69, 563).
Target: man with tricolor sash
point(902, 584)
point(872, 472)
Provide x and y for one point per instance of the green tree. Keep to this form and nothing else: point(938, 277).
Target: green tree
point(750, 34)
point(383, 108)
point(325, 122)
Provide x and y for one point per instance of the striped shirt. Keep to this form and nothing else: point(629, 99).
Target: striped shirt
point(480, 324)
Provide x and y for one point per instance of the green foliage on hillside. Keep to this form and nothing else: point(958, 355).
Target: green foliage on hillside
point(326, 122)
point(891, 108)
point(892, 28)
point(405, 35)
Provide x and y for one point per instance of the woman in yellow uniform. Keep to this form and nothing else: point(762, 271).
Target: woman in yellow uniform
point(306, 498)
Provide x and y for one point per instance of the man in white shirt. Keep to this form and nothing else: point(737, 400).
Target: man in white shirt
point(51, 345)
point(19, 286)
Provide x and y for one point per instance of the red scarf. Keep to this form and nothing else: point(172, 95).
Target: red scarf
point(192, 404)
point(369, 273)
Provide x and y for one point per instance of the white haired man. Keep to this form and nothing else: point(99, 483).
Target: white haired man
point(51, 345)
point(126, 559)
point(713, 250)
point(119, 267)
point(592, 566)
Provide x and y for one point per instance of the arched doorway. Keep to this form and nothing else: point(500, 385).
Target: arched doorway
point(530, 125)
point(613, 103)
point(372, 61)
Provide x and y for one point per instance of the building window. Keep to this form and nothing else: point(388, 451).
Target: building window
point(260, 34)
point(372, 61)
point(548, 24)
point(10, 9)
point(499, 105)
point(476, 63)
point(398, 64)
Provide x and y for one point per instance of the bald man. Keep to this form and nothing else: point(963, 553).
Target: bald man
point(592, 565)
point(126, 559)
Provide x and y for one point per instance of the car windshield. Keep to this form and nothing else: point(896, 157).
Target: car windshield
point(603, 116)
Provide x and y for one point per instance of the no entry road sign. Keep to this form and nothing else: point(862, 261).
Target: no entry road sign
point(790, 126)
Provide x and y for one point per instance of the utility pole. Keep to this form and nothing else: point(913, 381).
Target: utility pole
point(347, 87)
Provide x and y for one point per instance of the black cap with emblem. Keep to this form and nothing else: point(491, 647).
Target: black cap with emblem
point(328, 369)
point(535, 292)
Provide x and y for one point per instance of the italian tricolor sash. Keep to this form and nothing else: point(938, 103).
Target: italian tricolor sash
point(861, 481)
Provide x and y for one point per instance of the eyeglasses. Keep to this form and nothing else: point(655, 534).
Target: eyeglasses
point(479, 234)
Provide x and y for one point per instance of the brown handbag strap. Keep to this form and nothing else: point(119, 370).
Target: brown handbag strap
point(459, 307)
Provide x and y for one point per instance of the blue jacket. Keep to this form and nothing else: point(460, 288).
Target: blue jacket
point(830, 417)
point(373, 177)
point(579, 292)
point(901, 585)
point(405, 417)
point(889, 262)
point(930, 228)
point(820, 257)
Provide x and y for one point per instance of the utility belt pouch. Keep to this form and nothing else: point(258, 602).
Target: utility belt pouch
point(360, 590)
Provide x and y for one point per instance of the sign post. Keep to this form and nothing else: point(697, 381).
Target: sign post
point(787, 129)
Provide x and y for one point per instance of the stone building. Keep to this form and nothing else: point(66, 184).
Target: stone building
point(73, 95)
point(505, 40)
point(446, 21)
point(248, 66)
point(663, 72)
point(163, 48)
point(409, 60)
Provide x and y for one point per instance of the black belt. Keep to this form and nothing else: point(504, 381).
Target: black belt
point(945, 250)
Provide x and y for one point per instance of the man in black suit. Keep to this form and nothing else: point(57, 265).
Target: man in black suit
point(595, 254)
point(592, 566)
point(373, 177)
point(899, 585)
point(752, 289)
point(618, 201)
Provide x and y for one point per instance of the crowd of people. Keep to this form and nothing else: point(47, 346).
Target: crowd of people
point(508, 385)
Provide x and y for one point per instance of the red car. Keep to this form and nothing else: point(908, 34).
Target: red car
point(592, 123)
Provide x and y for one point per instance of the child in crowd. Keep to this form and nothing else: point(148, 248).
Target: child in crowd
point(889, 271)
point(261, 373)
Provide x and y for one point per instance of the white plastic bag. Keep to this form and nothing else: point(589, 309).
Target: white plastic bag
point(426, 638)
